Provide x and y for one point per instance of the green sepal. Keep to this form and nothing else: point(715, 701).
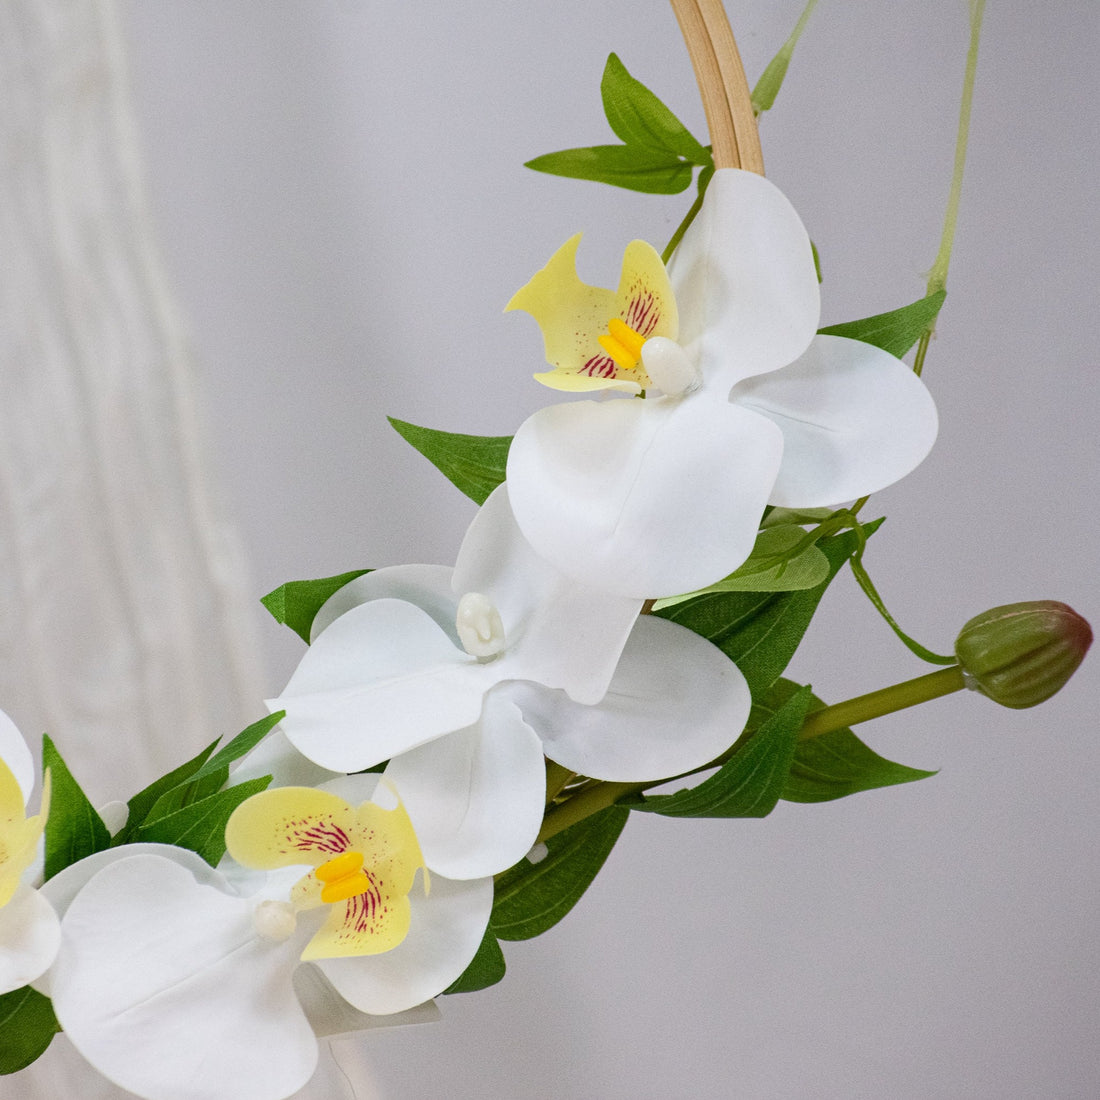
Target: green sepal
point(296, 603)
point(640, 119)
point(759, 632)
point(485, 969)
point(532, 897)
point(768, 568)
point(771, 80)
point(27, 1025)
point(751, 781)
point(473, 463)
point(634, 167)
point(200, 826)
point(73, 828)
point(896, 331)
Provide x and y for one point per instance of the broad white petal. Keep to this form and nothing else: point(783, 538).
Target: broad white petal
point(164, 987)
point(854, 420)
point(475, 797)
point(382, 679)
point(745, 281)
point(14, 753)
point(330, 1015)
point(558, 631)
point(426, 586)
point(29, 937)
point(643, 498)
point(446, 930)
point(676, 703)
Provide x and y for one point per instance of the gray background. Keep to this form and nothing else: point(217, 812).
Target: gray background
point(342, 205)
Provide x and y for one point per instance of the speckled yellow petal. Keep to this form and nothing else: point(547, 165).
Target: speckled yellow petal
point(367, 924)
point(389, 845)
point(12, 806)
point(289, 825)
point(573, 316)
point(19, 835)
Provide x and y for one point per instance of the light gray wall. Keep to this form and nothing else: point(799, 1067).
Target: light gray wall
point(341, 197)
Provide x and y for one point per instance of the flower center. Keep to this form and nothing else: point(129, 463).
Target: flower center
point(479, 625)
point(623, 344)
point(343, 877)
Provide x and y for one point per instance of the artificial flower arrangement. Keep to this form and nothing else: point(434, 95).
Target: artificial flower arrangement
point(459, 749)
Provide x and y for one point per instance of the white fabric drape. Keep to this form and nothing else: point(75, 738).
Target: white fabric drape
point(127, 630)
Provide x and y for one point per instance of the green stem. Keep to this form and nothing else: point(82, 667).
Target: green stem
point(556, 779)
point(862, 708)
point(937, 277)
point(696, 206)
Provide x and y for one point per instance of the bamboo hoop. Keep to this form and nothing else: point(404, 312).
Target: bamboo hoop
point(723, 86)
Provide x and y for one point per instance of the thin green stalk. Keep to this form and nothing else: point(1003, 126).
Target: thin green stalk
point(862, 708)
point(696, 206)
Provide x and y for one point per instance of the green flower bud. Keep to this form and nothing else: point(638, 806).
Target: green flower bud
point(1022, 653)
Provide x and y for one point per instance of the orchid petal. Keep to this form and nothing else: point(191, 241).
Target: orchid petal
point(445, 931)
point(854, 419)
point(165, 988)
point(286, 826)
point(277, 757)
point(330, 1015)
point(573, 315)
point(558, 632)
point(15, 754)
point(29, 934)
point(382, 679)
point(676, 703)
point(426, 586)
point(745, 281)
point(475, 797)
point(643, 498)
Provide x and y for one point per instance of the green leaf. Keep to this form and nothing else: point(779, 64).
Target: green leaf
point(27, 1024)
point(767, 87)
point(73, 829)
point(835, 764)
point(634, 167)
point(242, 744)
point(896, 331)
point(200, 826)
point(759, 632)
point(750, 783)
point(769, 568)
point(296, 603)
point(474, 463)
point(639, 118)
point(532, 897)
point(486, 968)
point(146, 799)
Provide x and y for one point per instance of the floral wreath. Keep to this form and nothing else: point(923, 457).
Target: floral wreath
point(459, 748)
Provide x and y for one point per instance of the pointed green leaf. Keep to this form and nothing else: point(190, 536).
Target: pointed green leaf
point(27, 1024)
point(146, 799)
point(634, 167)
point(532, 897)
point(759, 632)
point(296, 603)
point(242, 744)
point(896, 331)
point(200, 826)
point(750, 783)
point(769, 568)
point(73, 829)
point(767, 87)
point(835, 764)
point(639, 118)
point(473, 463)
point(486, 968)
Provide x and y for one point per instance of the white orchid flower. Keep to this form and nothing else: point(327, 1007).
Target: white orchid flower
point(465, 679)
point(174, 986)
point(29, 931)
point(660, 496)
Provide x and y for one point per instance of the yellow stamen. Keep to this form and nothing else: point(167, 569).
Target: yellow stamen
point(623, 344)
point(343, 877)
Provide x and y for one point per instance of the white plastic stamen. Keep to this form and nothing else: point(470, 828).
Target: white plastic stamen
point(479, 626)
point(274, 920)
point(668, 366)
